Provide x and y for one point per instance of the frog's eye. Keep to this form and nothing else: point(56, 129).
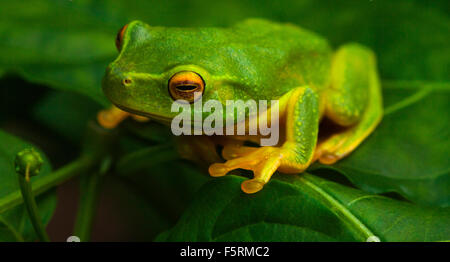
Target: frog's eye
point(119, 37)
point(183, 85)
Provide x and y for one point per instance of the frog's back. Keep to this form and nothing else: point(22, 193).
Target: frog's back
point(266, 59)
point(284, 54)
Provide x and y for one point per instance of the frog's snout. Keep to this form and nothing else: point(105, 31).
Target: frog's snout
point(115, 78)
point(113, 84)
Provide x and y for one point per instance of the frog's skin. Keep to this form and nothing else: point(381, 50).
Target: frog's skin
point(255, 59)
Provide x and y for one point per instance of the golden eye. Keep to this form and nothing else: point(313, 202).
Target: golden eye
point(183, 85)
point(119, 37)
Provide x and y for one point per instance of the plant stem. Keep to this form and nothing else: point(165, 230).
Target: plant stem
point(80, 165)
point(89, 193)
point(30, 203)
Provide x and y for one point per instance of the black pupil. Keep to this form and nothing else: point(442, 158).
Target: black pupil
point(186, 87)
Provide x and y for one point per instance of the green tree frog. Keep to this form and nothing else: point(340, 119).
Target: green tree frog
point(254, 59)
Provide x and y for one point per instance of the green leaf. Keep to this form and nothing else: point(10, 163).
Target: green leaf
point(14, 223)
point(408, 152)
point(408, 37)
point(166, 188)
point(170, 185)
point(57, 43)
point(68, 44)
point(303, 208)
point(66, 113)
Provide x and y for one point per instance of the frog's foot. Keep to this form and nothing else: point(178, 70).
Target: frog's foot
point(236, 149)
point(139, 118)
point(340, 145)
point(263, 161)
point(110, 118)
point(326, 151)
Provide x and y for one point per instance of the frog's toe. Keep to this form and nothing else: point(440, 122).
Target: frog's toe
point(218, 170)
point(262, 161)
point(252, 186)
point(139, 118)
point(221, 169)
point(328, 159)
point(110, 118)
point(325, 152)
point(232, 151)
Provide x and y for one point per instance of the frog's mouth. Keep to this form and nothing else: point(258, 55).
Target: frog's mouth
point(166, 120)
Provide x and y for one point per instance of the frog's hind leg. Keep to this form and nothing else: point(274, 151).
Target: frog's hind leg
point(354, 100)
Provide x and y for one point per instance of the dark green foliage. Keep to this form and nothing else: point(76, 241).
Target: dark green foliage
point(66, 45)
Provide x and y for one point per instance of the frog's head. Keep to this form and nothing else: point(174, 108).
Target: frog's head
point(158, 65)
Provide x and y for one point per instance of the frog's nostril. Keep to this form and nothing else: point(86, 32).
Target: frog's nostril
point(127, 81)
point(115, 75)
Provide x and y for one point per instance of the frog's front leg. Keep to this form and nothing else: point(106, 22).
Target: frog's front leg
point(198, 149)
point(111, 117)
point(301, 109)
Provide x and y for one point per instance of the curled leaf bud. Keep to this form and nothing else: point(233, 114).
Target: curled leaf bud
point(28, 162)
